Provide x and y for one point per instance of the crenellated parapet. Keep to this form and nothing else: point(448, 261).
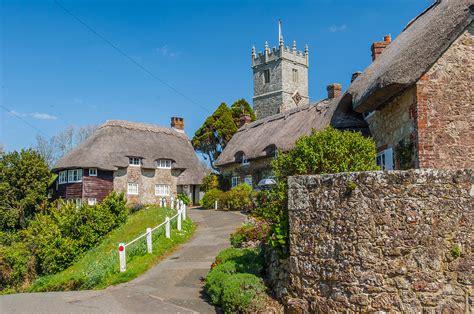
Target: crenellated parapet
point(280, 52)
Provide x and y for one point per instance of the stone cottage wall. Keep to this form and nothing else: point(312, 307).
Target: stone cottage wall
point(382, 241)
point(446, 108)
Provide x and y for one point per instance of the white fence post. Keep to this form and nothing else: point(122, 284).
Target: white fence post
point(179, 219)
point(123, 261)
point(148, 240)
point(215, 205)
point(167, 227)
point(172, 202)
point(184, 212)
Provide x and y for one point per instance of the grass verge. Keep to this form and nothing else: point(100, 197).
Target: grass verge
point(99, 268)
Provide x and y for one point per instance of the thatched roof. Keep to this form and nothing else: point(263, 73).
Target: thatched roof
point(411, 54)
point(259, 138)
point(115, 141)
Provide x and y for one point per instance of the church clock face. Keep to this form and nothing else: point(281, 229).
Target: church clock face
point(296, 97)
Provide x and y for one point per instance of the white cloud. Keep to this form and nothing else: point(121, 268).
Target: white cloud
point(336, 28)
point(165, 51)
point(42, 116)
point(35, 115)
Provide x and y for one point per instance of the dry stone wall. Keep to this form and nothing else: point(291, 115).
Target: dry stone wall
point(398, 241)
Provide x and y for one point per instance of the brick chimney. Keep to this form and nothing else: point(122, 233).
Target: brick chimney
point(334, 90)
point(177, 123)
point(245, 119)
point(355, 75)
point(379, 46)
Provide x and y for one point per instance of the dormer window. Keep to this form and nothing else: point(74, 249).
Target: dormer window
point(134, 161)
point(245, 161)
point(92, 172)
point(163, 164)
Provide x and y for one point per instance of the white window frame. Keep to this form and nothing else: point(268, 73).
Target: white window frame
point(134, 161)
point(78, 202)
point(91, 201)
point(245, 161)
point(385, 159)
point(132, 188)
point(62, 177)
point(249, 180)
point(74, 175)
point(163, 164)
point(162, 190)
point(93, 172)
point(235, 181)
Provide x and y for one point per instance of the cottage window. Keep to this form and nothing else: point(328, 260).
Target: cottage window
point(235, 181)
point(248, 180)
point(63, 177)
point(295, 75)
point(92, 201)
point(134, 161)
point(163, 164)
point(78, 202)
point(93, 172)
point(132, 189)
point(266, 74)
point(245, 161)
point(162, 190)
point(385, 159)
point(74, 175)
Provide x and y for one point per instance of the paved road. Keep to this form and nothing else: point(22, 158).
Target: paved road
point(172, 286)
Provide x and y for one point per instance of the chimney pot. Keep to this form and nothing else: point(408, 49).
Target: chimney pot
point(334, 90)
point(245, 119)
point(379, 46)
point(355, 75)
point(177, 123)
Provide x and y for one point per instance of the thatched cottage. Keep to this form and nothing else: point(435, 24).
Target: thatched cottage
point(146, 162)
point(417, 94)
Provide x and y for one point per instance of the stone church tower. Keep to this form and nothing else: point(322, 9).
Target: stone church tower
point(280, 79)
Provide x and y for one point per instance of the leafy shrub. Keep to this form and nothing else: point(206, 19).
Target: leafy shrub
point(210, 182)
point(183, 197)
point(326, 151)
point(243, 293)
point(64, 232)
point(455, 251)
point(17, 266)
point(256, 230)
point(24, 180)
point(233, 282)
point(239, 198)
point(210, 197)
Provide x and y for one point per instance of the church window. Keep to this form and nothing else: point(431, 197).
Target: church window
point(295, 75)
point(266, 74)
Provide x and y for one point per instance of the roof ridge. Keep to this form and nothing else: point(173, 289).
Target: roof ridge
point(139, 126)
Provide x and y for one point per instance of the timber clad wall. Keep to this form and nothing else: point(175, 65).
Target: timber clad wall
point(97, 187)
point(70, 190)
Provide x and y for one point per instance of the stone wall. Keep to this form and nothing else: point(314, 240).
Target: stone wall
point(382, 241)
point(445, 108)
point(258, 168)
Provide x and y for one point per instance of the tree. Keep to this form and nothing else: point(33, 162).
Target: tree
point(46, 148)
point(212, 137)
point(24, 180)
point(84, 132)
point(326, 151)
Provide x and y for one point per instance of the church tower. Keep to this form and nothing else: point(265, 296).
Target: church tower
point(280, 78)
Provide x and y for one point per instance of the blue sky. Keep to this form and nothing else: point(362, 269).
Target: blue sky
point(54, 72)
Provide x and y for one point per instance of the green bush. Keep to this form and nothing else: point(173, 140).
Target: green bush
point(210, 197)
point(239, 198)
point(257, 230)
point(210, 182)
point(183, 197)
point(64, 232)
point(243, 293)
point(233, 282)
point(17, 266)
point(326, 151)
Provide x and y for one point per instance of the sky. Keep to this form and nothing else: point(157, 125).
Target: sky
point(172, 58)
